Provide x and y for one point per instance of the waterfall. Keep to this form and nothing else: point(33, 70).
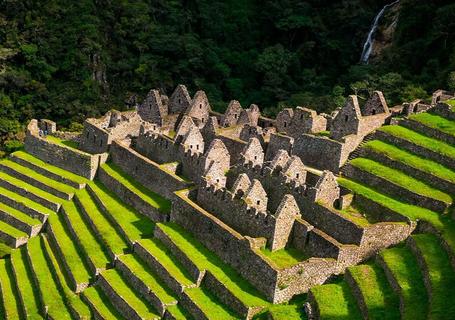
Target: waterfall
point(368, 45)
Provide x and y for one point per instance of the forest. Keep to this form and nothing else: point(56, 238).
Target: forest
point(67, 60)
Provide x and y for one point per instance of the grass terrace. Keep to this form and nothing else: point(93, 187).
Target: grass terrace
point(25, 283)
point(408, 275)
point(154, 199)
point(411, 159)
point(10, 305)
point(421, 140)
point(123, 289)
point(442, 223)
point(8, 229)
point(399, 178)
point(292, 310)
point(135, 225)
point(19, 215)
point(92, 249)
point(26, 202)
point(64, 143)
point(56, 170)
point(4, 249)
point(284, 258)
point(205, 259)
point(436, 122)
point(107, 233)
point(336, 301)
point(178, 312)
point(381, 301)
point(52, 297)
point(101, 303)
point(38, 177)
point(441, 276)
point(451, 102)
point(209, 304)
point(72, 253)
point(357, 216)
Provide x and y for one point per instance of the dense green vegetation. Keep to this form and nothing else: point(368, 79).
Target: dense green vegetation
point(68, 61)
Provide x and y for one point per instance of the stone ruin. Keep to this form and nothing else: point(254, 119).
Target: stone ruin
point(241, 182)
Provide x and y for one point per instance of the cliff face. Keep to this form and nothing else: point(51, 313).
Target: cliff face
point(385, 33)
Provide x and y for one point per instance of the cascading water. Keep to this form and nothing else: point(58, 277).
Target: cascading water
point(368, 45)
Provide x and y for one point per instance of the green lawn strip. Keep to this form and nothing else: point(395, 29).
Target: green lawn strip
point(71, 252)
point(115, 280)
point(442, 223)
point(64, 143)
point(284, 258)
point(105, 230)
point(135, 225)
point(53, 169)
point(408, 275)
point(10, 230)
point(30, 188)
point(451, 102)
point(436, 122)
point(102, 304)
point(356, 215)
point(421, 140)
point(411, 160)
point(336, 301)
point(52, 297)
point(401, 179)
point(205, 259)
point(168, 261)
point(143, 272)
point(11, 304)
point(154, 199)
point(71, 298)
point(25, 284)
point(291, 310)
point(4, 250)
point(19, 215)
point(90, 245)
point(26, 201)
point(38, 177)
point(209, 304)
point(381, 301)
point(441, 276)
point(178, 312)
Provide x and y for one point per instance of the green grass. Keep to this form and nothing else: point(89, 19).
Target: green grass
point(72, 254)
point(25, 284)
point(421, 140)
point(209, 304)
point(64, 143)
point(451, 102)
point(92, 249)
point(291, 310)
point(168, 261)
point(441, 276)
point(104, 230)
point(4, 250)
point(55, 170)
point(411, 159)
point(70, 297)
point(135, 225)
point(436, 122)
point(381, 301)
point(207, 260)
point(178, 312)
point(442, 223)
point(335, 301)
point(142, 271)
point(406, 271)
point(10, 300)
point(154, 199)
point(357, 216)
point(284, 258)
point(8, 229)
point(26, 202)
point(38, 177)
point(401, 179)
point(30, 188)
point(122, 288)
point(52, 297)
point(101, 303)
point(19, 215)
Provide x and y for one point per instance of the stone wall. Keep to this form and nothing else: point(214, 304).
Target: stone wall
point(427, 131)
point(145, 171)
point(70, 159)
